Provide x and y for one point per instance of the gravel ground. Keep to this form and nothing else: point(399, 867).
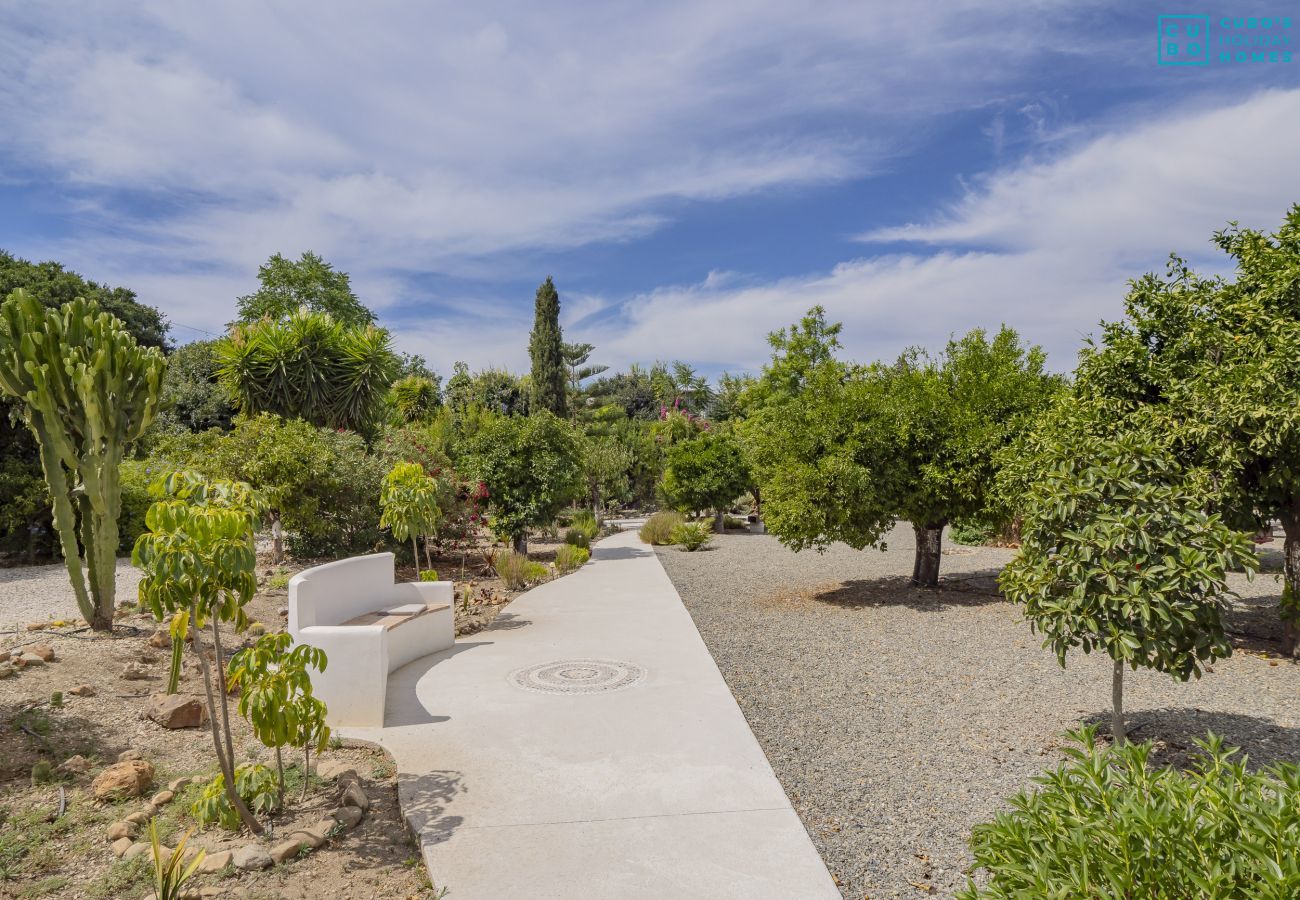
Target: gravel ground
point(897, 718)
point(36, 593)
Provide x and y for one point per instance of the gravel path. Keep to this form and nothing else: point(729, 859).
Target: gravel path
point(897, 718)
point(36, 593)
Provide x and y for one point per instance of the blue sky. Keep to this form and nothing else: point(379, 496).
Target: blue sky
point(693, 174)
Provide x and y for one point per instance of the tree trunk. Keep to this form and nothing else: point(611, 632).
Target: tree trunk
point(306, 771)
point(929, 544)
point(1291, 583)
point(719, 521)
point(279, 771)
point(415, 555)
point(758, 501)
point(521, 543)
point(428, 557)
point(1117, 703)
point(277, 539)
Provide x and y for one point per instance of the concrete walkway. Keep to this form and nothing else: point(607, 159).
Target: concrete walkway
point(586, 746)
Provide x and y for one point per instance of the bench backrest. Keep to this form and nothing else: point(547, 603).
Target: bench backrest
point(338, 591)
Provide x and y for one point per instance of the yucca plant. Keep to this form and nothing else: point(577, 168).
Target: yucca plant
point(692, 536)
point(309, 367)
point(169, 870)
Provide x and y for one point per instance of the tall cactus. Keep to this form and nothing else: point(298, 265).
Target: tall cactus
point(89, 390)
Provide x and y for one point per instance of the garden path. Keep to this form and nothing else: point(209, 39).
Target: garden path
point(586, 745)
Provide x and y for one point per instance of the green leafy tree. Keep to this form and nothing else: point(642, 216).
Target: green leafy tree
point(191, 395)
point(275, 697)
point(1106, 824)
point(545, 348)
point(88, 390)
point(410, 502)
point(198, 559)
point(708, 472)
point(322, 485)
point(605, 464)
point(309, 366)
point(841, 452)
point(1118, 554)
point(531, 466)
point(288, 285)
point(576, 357)
point(1210, 369)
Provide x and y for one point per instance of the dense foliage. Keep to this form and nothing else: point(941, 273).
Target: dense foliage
point(191, 397)
point(532, 468)
point(546, 350)
point(706, 472)
point(409, 499)
point(309, 366)
point(1106, 824)
point(1119, 555)
point(286, 286)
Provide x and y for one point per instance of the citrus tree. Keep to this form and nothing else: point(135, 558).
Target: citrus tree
point(706, 472)
point(276, 697)
point(198, 562)
point(1118, 554)
point(87, 390)
point(410, 502)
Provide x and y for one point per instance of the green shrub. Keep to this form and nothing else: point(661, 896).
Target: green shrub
point(429, 575)
point(136, 501)
point(658, 529)
point(256, 784)
point(733, 522)
point(972, 534)
point(577, 538)
point(585, 521)
point(569, 557)
point(517, 570)
point(1105, 825)
point(693, 535)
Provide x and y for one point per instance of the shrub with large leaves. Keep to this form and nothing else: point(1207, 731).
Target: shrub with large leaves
point(1104, 824)
point(1119, 554)
point(410, 501)
point(311, 367)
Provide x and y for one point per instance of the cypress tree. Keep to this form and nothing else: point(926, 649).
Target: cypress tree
point(544, 347)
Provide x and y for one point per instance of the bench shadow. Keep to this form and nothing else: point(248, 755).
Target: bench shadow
point(1174, 733)
point(425, 798)
point(402, 706)
point(967, 589)
point(506, 621)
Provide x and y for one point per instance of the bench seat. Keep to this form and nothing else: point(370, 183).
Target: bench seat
point(368, 626)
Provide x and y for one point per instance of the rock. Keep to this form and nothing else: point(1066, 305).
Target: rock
point(287, 850)
point(139, 818)
point(140, 849)
point(119, 830)
point(44, 651)
point(179, 784)
point(214, 862)
point(334, 768)
point(319, 833)
point(121, 845)
point(121, 780)
point(37, 626)
point(250, 858)
point(136, 672)
point(354, 796)
point(6, 669)
point(31, 659)
point(81, 690)
point(75, 765)
point(160, 639)
point(4, 655)
point(347, 816)
point(162, 798)
point(129, 754)
point(177, 711)
point(283, 612)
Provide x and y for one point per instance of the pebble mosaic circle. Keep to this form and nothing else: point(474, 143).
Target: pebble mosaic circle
point(578, 676)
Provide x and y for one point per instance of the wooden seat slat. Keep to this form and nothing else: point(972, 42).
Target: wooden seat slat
point(390, 619)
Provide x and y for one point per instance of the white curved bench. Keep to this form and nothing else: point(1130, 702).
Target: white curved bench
point(368, 626)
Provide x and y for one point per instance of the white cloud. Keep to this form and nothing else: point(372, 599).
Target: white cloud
point(1045, 246)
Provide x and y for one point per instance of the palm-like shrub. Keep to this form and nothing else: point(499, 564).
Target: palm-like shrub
point(310, 367)
point(88, 390)
point(692, 536)
point(415, 398)
point(658, 529)
point(1105, 825)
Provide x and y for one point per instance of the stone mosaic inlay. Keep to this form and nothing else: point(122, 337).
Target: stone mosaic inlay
point(578, 676)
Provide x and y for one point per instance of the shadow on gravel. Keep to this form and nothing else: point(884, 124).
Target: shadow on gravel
point(967, 589)
point(1175, 732)
point(1254, 624)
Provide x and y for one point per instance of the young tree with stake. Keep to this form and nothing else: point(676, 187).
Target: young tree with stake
point(409, 499)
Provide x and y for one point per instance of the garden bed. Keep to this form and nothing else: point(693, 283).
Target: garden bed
point(105, 684)
point(897, 718)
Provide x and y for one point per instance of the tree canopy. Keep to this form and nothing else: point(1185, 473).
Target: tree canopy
point(287, 285)
point(546, 350)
